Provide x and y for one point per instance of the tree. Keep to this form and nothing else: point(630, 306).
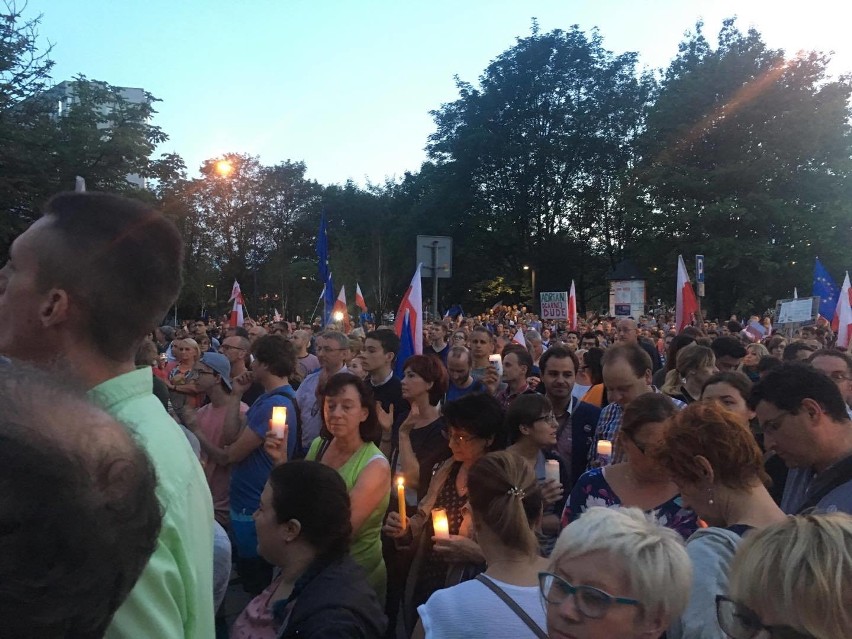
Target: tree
point(543, 149)
point(747, 159)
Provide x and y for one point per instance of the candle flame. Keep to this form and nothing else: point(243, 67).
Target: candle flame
point(400, 481)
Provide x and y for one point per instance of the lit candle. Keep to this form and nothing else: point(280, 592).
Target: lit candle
point(440, 524)
point(604, 450)
point(278, 423)
point(400, 496)
point(551, 470)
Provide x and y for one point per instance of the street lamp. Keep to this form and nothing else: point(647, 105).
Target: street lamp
point(532, 282)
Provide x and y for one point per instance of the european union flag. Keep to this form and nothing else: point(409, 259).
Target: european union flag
point(827, 290)
point(324, 274)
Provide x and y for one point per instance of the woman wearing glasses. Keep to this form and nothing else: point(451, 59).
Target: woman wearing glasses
point(792, 580)
point(714, 459)
point(505, 504)
point(615, 575)
point(531, 427)
point(640, 481)
point(474, 427)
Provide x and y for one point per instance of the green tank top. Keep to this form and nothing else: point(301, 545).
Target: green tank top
point(367, 543)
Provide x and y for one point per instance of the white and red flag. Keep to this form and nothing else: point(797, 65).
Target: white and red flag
point(340, 312)
point(572, 308)
point(519, 338)
point(360, 302)
point(409, 323)
point(237, 310)
point(842, 322)
point(687, 303)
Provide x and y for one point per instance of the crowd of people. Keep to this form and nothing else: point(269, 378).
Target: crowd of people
point(518, 479)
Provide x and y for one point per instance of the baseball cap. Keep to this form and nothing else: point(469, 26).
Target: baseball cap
point(220, 364)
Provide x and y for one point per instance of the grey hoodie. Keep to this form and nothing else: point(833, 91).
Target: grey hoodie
point(711, 551)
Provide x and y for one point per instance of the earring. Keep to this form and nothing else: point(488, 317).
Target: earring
point(710, 496)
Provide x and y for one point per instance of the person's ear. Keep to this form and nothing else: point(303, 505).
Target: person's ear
point(812, 408)
point(290, 530)
point(705, 469)
point(56, 308)
point(649, 376)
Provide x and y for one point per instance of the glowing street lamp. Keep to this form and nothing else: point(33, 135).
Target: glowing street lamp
point(338, 316)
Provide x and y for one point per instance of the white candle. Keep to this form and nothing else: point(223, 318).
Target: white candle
point(604, 450)
point(278, 423)
point(440, 524)
point(551, 470)
point(400, 496)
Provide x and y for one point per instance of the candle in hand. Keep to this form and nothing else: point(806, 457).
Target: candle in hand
point(551, 470)
point(278, 423)
point(440, 524)
point(604, 450)
point(400, 495)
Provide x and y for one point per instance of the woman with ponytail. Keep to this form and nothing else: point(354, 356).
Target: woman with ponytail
point(506, 505)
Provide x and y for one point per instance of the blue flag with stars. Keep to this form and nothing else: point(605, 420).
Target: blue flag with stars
point(827, 290)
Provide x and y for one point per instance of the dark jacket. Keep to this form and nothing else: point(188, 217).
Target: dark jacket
point(584, 421)
point(337, 603)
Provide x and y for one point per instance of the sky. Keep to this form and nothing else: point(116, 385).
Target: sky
point(346, 86)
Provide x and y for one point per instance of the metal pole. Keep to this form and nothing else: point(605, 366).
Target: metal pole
point(434, 248)
point(532, 271)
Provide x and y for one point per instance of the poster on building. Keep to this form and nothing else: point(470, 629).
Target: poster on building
point(627, 298)
point(554, 306)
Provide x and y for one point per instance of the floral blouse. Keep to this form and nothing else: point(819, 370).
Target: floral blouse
point(592, 489)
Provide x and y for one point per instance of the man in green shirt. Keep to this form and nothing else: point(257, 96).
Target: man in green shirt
point(82, 287)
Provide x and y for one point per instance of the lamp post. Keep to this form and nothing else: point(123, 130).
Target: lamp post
point(532, 283)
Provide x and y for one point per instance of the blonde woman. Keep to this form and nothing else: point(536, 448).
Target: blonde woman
point(695, 365)
point(181, 378)
point(615, 575)
point(792, 579)
point(754, 353)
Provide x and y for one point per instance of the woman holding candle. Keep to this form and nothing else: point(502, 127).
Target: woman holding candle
point(422, 445)
point(640, 481)
point(474, 426)
point(304, 528)
point(505, 504)
point(531, 427)
point(347, 445)
point(717, 465)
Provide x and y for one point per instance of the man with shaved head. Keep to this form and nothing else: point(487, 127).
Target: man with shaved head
point(83, 287)
point(79, 517)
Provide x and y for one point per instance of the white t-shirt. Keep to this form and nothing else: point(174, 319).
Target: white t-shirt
point(471, 610)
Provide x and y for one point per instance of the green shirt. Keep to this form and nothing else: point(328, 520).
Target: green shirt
point(174, 595)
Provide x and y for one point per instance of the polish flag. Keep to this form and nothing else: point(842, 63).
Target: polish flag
point(519, 338)
point(687, 304)
point(237, 310)
point(842, 322)
point(409, 323)
point(360, 302)
point(277, 316)
point(340, 307)
point(572, 308)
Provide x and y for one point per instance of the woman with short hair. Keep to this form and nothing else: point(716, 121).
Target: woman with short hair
point(711, 455)
point(640, 481)
point(793, 580)
point(505, 503)
point(304, 528)
point(615, 575)
point(531, 427)
point(181, 376)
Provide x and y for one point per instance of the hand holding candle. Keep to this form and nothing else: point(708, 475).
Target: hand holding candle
point(440, 524)
point(551, 470)
point(278, 423)
point(400, 495)
point(604, 451)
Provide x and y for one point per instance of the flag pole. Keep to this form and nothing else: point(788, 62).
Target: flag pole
point(316, 306)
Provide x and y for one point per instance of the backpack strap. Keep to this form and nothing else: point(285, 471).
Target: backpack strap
point(497, 590)
point(827, 481)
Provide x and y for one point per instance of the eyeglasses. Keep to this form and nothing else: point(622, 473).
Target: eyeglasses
point(839, 376)
point(740, 622)
point(459, 439)
point(228, 347)
point(549, 418)
point(329, 349)
point(774, 425)
point(591, 602)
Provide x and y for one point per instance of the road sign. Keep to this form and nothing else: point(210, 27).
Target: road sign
point(699, 269)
